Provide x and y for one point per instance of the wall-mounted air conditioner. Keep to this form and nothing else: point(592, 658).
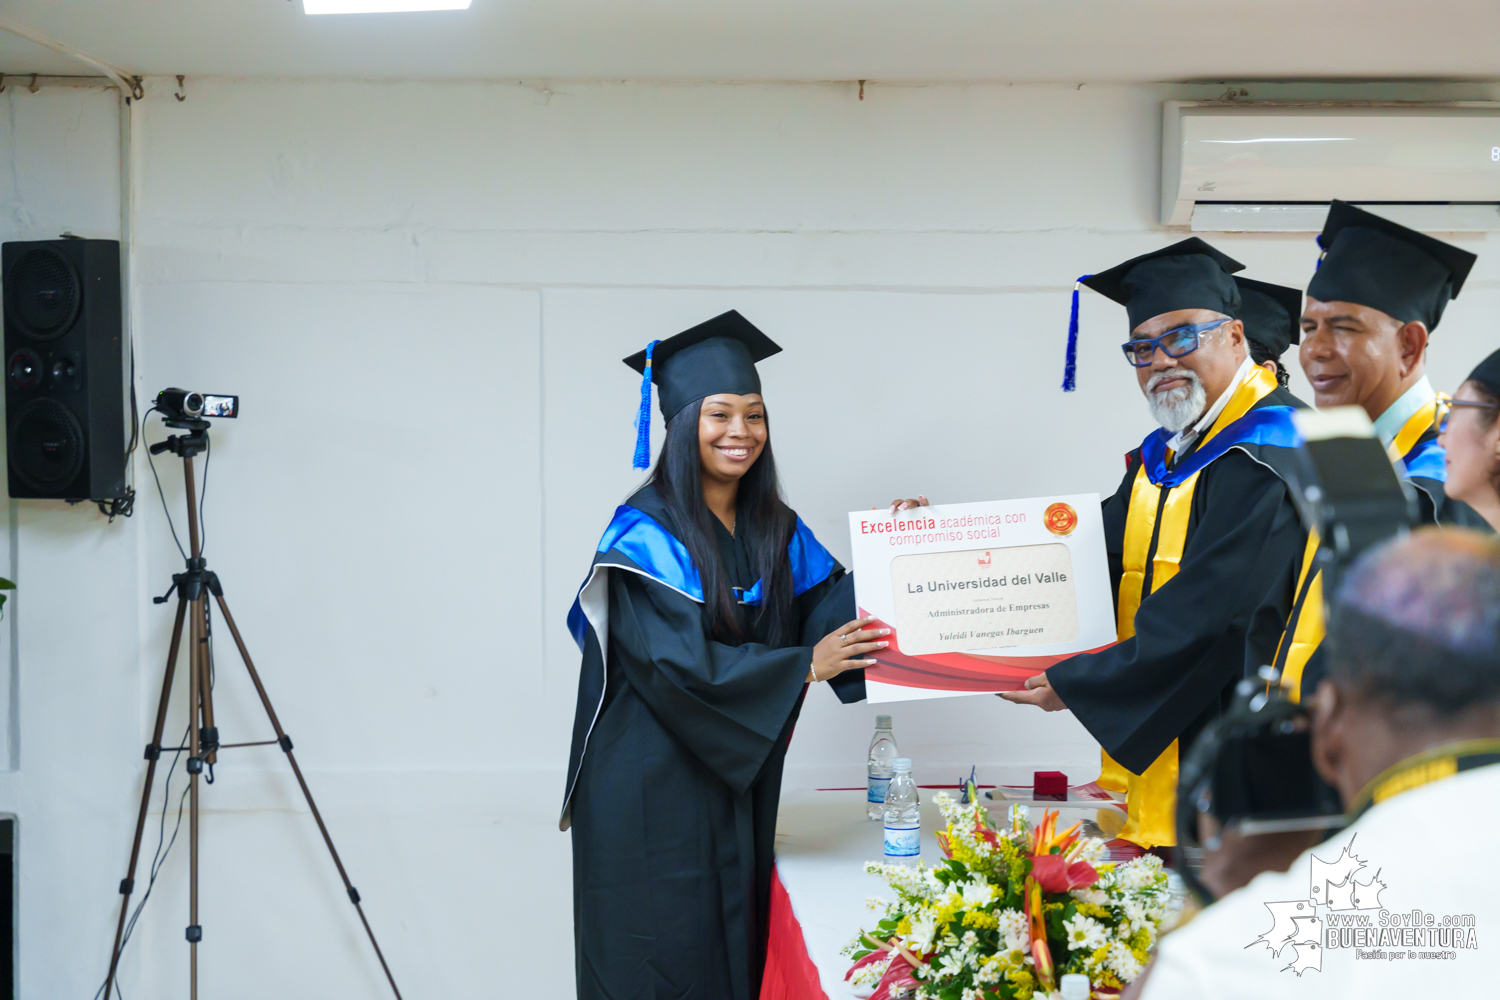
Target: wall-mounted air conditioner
point(1275, 167)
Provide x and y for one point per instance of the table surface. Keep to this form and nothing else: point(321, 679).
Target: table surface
point(822, 843)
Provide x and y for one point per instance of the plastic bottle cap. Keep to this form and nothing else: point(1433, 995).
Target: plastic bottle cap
point(901, 765)
point(1074, 986)
point(882, 722)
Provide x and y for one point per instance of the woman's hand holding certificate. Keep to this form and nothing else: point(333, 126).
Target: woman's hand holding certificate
point(840, 649)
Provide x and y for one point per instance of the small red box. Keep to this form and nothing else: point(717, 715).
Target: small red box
point(1051, 785)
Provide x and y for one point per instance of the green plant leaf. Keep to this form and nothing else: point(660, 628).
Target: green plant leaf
point(6, 584)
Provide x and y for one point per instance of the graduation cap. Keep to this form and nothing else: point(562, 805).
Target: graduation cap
point(1374, 262)
point(716, 356)
point(1272, 315)
point(1186, 275)
point(1487, 374)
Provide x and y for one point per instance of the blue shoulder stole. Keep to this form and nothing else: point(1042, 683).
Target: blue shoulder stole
point(636, 542)
point(1426, 460)
point(1266, 425)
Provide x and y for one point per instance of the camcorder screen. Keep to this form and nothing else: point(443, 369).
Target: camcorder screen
point(221, 406)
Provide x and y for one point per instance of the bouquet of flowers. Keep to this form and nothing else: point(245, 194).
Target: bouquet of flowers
point(1008, 913)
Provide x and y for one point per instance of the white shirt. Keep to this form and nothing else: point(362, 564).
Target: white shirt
point(1389, 423)
point(1431, 847)
point(1185, 437)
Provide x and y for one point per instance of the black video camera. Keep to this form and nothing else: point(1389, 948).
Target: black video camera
point(1251, 769)
point(180, 404)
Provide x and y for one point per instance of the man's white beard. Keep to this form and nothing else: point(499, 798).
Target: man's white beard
point(1177, 408)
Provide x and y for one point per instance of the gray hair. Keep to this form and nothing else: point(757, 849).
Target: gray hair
point(1417, 621)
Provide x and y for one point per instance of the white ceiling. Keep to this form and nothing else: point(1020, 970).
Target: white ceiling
point(889, 40)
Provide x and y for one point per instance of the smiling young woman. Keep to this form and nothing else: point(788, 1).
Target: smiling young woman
point(708, 609)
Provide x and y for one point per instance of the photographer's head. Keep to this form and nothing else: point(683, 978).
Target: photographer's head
point(1471, 438)
point(1413, 656)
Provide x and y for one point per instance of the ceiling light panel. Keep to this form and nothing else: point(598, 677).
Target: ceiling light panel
point(380, 6)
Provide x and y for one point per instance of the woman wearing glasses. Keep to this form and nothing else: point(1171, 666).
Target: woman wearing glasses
point(1470, 434)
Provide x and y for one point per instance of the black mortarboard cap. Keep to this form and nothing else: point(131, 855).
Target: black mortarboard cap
point(1375, 262)
point(1272, 315)
point(716, 356)
point(1487, 374)
point(1186, 275)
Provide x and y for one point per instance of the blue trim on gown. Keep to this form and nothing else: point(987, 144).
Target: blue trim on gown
point(1266, 425)
point(651, 550)
point(1427, 460)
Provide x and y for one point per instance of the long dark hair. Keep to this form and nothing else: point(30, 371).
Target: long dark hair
point(762, 518)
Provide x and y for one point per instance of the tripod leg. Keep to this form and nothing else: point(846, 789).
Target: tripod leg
point(153, 753)
point(195, 767)
point(286, 746)
point(209, 737)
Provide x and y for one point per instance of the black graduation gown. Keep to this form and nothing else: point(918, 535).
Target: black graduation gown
point(674, 807)
point(1198, 633)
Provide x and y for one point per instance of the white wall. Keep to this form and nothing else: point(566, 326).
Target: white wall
point(422, 292)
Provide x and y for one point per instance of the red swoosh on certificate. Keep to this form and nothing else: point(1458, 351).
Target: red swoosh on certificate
point(956, 671)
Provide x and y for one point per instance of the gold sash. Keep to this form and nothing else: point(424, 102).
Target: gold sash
point(1433, 764)
point(1151, 797)
point(1308, 633)
point(1417, 424)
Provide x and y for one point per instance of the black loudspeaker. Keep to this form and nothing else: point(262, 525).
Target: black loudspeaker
point(65, 379)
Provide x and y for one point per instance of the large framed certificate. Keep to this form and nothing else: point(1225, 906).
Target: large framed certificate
point(980, 596)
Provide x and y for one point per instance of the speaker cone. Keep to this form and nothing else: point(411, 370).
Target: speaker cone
point(42, 293)
point(46, 445)
point(26, 369)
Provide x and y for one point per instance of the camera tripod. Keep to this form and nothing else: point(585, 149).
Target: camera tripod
point(194, 587)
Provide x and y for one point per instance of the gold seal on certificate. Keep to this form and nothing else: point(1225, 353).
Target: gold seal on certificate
point(981, 596)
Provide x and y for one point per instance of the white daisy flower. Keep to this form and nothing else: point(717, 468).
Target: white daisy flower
point(977, 893)
point(1123, 962)
point(1085, 933)
point(923, 930)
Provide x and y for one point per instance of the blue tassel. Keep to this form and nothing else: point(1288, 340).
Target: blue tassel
point(1070, 366)
point(643, 418)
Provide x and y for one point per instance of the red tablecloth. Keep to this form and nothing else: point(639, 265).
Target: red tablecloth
point(790, 973)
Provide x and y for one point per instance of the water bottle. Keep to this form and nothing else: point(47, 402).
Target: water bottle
point(903, 816)
point(878, 767)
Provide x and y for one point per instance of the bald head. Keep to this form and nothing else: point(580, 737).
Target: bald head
point(1417, 622)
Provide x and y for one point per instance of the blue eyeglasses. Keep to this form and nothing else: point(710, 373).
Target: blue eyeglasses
point(1176, 342)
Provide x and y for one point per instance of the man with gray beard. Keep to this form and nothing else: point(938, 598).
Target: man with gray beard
point(1200, 533)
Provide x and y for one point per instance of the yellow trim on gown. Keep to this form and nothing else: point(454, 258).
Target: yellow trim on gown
point(1151, 797)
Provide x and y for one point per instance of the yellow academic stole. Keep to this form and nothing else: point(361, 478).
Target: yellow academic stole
point(1151, 797)
point(1433, 764)
point(1303, 637)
